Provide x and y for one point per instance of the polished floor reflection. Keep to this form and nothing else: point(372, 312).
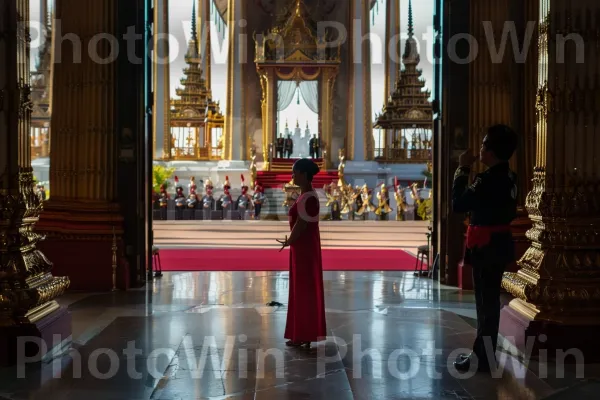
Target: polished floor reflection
point(203, 335)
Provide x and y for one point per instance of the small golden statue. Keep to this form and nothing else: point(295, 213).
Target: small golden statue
point(365, 202)
point(341, 167)
point(291, 193)
point(383, 198)
point(333, 201)
point(401, 205)
point(414, 193)
point(348, 201)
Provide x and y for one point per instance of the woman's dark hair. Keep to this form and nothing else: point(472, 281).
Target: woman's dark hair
point(308, 167)
point(502, 141)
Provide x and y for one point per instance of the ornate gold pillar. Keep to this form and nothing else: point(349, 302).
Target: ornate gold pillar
point(359, 140)
point(268, 80)
point(557, 288)
point(235, 135)
point(328, 76)
point(204, 39)
point(393, 53)
point(162, 87)
point(27, 288)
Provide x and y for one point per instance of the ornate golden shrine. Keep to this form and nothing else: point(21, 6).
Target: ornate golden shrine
point(191, 138)
point(293, 51)
point(407, 109)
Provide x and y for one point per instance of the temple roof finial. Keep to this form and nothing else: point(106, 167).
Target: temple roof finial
point(194, 31)
point(410, 19)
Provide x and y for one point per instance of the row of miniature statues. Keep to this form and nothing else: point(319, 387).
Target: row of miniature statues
point(357, 202)
point(197, 206)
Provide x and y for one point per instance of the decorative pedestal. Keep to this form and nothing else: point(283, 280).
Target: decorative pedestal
point(33, 341)
point(528, 337)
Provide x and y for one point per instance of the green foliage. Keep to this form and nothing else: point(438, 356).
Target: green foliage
point(160, 175)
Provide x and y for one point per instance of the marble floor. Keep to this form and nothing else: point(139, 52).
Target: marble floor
point(211, 335)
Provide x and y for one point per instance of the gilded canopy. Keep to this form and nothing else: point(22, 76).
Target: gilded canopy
point(297, 41)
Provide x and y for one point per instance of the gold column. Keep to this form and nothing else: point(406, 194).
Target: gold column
point(328, 76)
point(559, 277)
point(166, 77)
point(359, 99)
point(27, 287)
point(392, 33)
point(161, 77)
point(268, 80)
point(204, 39)
point(235, 116)
point(529, 117)
point(369, 142)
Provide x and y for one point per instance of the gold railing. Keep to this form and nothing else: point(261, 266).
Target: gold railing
point(407, 156)
point(196, 153)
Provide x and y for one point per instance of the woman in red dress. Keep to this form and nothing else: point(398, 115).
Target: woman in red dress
point(306, 305)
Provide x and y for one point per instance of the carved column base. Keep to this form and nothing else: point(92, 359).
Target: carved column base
point(527, 334)
point(48, 333)
point(27, 287)
point(79, 241)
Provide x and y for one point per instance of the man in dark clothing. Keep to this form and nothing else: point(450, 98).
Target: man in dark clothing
point(279, 144)
point(314, 146)
point(288, 147)
point(491, 201)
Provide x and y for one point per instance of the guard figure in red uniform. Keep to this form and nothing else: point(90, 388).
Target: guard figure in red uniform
point(180, 200)
point(258, 198)
point(163, 201)
point(244, 201)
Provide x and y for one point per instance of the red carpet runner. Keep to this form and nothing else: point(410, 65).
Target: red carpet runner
point(273, 260)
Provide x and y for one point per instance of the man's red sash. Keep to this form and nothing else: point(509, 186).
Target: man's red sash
point(480, 236)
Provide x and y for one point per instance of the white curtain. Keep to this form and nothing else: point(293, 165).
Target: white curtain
point(310, 94)
point(285, 94)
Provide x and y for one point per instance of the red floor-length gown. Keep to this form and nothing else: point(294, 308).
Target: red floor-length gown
point(306, 304)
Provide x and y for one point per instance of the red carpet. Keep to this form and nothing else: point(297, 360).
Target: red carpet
point(273, 260)
point(275, 180)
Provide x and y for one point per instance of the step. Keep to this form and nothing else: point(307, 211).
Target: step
point(252, 235)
